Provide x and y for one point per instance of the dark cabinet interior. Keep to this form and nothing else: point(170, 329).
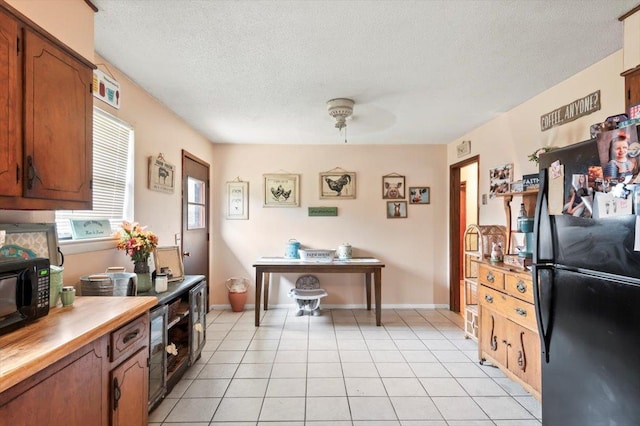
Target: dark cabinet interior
point(177, 335)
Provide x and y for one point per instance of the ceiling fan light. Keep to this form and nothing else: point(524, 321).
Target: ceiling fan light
point(340, 109)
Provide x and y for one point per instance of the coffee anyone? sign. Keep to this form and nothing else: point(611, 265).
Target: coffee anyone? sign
point(566, 113)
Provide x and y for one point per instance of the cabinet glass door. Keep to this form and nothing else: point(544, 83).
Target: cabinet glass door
point(157, 355)
point(198, 320)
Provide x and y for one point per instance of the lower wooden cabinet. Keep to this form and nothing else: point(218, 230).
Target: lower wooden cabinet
point(70, 392)
point(129, 389)
point(508, 335)
point(87, 387)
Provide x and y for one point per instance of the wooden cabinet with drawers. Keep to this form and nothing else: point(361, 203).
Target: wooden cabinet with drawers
point(80, 365)
point(508, 328)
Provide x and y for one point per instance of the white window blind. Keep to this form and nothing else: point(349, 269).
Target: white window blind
point(112, 175)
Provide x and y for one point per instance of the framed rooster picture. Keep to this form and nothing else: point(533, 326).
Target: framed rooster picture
point(337, 185)
point(281, 190)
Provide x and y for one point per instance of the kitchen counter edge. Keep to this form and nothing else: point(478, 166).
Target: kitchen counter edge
point(32, 348)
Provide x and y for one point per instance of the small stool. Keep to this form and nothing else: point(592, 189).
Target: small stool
point(307, 295)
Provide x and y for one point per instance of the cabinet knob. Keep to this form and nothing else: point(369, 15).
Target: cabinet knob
point(521, 311)
point(521, 286)
point(488, 298)
point(490, 277)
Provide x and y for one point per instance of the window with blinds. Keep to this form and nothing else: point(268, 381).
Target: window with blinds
point(112, 175)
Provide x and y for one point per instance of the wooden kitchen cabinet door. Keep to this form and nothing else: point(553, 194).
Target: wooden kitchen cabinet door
point(58, 139)
point(129, 391)
point(632, 88)
point(10, 130)
point(493, 335)
point(524, 354)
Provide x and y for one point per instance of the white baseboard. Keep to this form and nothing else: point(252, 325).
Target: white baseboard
point(249, 307)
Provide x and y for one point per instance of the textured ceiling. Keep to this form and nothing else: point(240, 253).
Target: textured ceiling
point(419, 71)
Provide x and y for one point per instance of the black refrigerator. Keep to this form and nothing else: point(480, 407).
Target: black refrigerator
point(587, 297)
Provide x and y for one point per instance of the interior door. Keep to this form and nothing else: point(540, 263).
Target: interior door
point(195, 216)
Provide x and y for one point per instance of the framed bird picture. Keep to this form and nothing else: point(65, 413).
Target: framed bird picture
point(337, 185)
point(281, 190)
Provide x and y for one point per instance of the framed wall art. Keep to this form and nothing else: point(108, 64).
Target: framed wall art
point(238, 200)
point(161, 175)
point(168, 260)
point(396, 209)
point(500, 179)
point(281, 190)
point(419, 195)
point(393, 187)
point(337, 184)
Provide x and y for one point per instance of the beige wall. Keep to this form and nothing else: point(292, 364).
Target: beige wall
point(469, 174)
point(515, 134)
point(70, 21)
point(415, 273)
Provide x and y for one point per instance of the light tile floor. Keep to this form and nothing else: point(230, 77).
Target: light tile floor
point(340, 369)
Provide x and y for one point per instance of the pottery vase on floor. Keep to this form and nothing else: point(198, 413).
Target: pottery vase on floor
point(237, 300)
point(143, 275)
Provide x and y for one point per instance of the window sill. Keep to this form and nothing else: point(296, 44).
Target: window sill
point(85, 246)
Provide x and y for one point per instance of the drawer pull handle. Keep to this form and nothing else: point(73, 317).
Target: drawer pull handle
point(521, 286)
point(131, 335)
point(494, 339)
point(490, 277)
point(521, 311)
point(488, 298)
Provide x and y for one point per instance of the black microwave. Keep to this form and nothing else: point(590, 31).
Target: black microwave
point(24, 291)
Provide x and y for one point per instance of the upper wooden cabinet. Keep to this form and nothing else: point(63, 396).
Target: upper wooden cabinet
point(631, 88)
point(46, 139)
point(10, 146)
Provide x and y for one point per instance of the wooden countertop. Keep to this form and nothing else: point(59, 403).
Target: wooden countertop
point(34, 347)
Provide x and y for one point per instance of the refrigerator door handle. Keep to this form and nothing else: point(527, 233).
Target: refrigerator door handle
point(543, 242)
point(542, 286)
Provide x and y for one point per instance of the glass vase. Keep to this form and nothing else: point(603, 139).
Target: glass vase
point(143, 274)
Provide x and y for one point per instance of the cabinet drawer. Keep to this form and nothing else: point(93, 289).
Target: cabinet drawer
point(129, 338)
point(491, 277)
point(516, 310)
point(522, 313)
point(492, 299)
point(519, 286)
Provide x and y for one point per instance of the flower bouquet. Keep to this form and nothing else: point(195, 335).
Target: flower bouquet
point(138, 244)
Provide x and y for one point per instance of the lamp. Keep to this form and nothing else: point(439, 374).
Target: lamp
point(340, 109)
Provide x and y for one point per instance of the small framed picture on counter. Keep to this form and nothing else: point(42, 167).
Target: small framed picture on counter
point(168, 260)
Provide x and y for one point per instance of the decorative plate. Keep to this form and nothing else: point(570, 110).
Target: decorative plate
point(11, 250)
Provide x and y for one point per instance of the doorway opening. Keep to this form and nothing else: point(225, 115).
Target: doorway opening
point(463, 211)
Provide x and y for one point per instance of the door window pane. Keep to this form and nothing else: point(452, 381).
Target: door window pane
point(196, 203)
point(195, 189)
point(196, 217)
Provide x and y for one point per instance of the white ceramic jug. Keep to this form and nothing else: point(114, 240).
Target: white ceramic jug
point(344, 251)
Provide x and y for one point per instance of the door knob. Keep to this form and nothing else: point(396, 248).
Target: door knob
point(186, 253)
